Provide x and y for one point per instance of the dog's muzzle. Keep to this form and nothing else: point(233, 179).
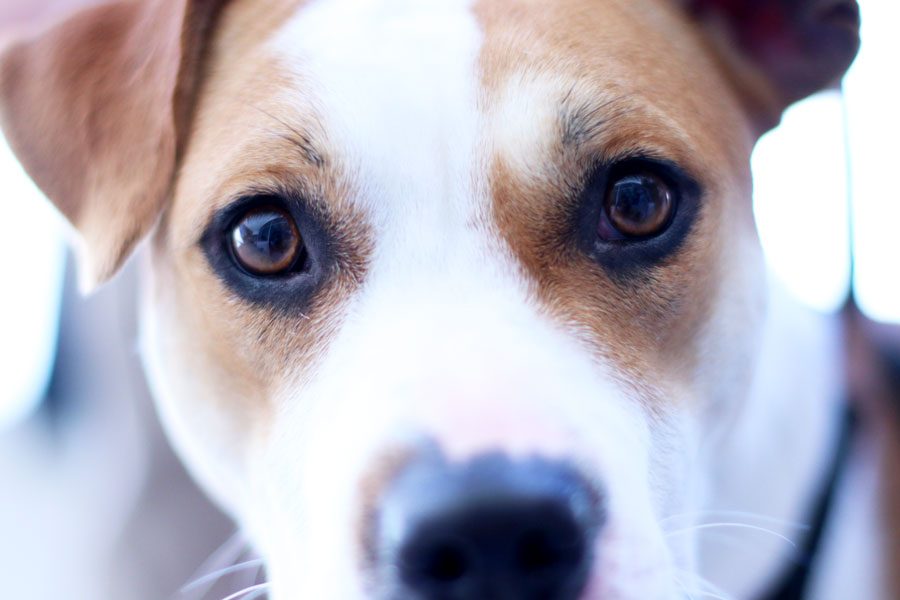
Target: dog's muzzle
point(490, 528)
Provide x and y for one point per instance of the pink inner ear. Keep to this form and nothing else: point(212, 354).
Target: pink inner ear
point(767, 25)
point(800, 45)
point(758, 23)
point(780, 23)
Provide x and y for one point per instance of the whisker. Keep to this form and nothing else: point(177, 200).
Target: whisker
point(245, 593)
point(259, 575)
point(711, 595)
point(735, 514)
point(216, 575)
point(704, 587)
point(704, 526)
point(226, 554)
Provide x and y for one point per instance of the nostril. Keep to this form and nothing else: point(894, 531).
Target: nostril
point(447, 561)
point(538, 552)
point(535, 552)
point(488, 529)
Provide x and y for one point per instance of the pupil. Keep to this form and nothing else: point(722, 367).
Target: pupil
point(272, 236)
point(447, 564)
point(266, 242)
point(635, 201)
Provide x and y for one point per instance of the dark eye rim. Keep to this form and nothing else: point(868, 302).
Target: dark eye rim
point(290, 292)
point(628, 255)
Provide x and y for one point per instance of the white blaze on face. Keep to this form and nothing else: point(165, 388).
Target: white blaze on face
point(443, 341)
point(395, 83)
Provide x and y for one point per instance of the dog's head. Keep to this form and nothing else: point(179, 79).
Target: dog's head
point(443, 296)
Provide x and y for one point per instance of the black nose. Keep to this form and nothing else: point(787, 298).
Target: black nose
point(490, 529)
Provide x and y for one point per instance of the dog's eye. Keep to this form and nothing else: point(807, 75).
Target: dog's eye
point(265, 242)
point(638, 204)
point(634, 213)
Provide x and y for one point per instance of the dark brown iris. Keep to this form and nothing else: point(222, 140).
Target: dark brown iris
point(266, 242)
point(638, 206)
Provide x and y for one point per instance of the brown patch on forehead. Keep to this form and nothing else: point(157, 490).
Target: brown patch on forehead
point(642, 321)
point(255, 133)
point(640, 72)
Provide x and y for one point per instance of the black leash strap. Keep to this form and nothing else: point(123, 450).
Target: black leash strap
point(794, 583)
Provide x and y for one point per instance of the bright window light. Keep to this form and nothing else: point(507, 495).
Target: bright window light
point(800, 201)
point(32, 260)
point(802, 190)
point(872, 90)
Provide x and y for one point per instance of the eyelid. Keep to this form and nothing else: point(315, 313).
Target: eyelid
point(234, 202)
point(670, 170)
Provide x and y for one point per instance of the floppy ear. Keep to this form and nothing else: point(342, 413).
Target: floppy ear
point(96, 108)
point(779, 51)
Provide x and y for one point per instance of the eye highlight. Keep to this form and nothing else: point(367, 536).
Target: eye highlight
point(265, 242)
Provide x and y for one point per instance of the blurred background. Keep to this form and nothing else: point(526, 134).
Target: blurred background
point(89, 486)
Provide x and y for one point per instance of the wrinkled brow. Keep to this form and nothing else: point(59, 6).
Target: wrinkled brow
point(614, 126)
point(582, 120)
point(304, 137)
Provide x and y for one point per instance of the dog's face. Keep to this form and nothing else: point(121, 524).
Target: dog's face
point(418, 257)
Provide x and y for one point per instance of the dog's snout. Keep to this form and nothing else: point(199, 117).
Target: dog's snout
point(488, 529)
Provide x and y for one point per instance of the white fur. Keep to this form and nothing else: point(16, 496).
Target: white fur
point(444, 341)
point(770, 457)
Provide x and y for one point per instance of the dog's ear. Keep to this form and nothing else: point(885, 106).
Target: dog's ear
point(96, 108)
point(779, 51)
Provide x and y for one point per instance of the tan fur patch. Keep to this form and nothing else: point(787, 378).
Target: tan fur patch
point(635, 67)
point(269, 142)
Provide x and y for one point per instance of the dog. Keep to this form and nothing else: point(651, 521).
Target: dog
point(462, 299)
